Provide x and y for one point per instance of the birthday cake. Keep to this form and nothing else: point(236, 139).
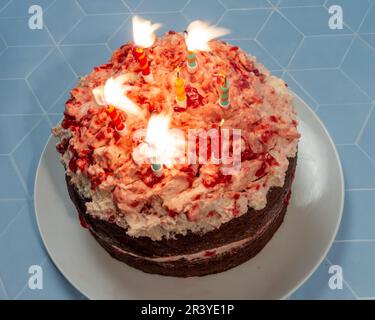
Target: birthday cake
point(180, 218)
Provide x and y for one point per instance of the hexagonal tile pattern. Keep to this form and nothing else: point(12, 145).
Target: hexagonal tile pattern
point(19, 62)
point(332, 70)
point(17, 98)
point(151, 6)
point(103, 7)
point(211, 11)
point(16, 32)
point(84, 57)
point(45, 76)
point(20, 9)
point(344, 122)
point(245, 4)
point(275, 34)
point(357, 66)
point(311, 20)
point(321, 52)
point(367, 138)
point(329, 86)
point(83, 33)
point(358, 220)
point(244, 24)
point(357, 262)
point(61, 27)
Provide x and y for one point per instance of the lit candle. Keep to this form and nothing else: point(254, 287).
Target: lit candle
point(117, 119)
point(180, 90)
point(157, 168)
point(191, 63)
point(140, 56)
point(144, 37)
point(224, 93)
point(197, 37)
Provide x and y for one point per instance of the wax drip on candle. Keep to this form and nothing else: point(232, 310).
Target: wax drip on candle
point(180, 90)
point(192, 63)
point(117, 119)
point(140, 56)
point(144, 37)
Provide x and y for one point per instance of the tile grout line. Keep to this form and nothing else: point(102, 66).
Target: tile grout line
point(6, 6)
point(127, 6)
point(355, 36)
point(2, 286)
point(366, 154)
point(359, 189)
point(355, 240)
point(356, 84)
point(22, 290)
point(117, 30)
point(35, 96)
point(20, 177)
point(2, 233)
point(41, 62)
point(302, 88)
point(346, 283)
point(360, 133)
point(18, 144)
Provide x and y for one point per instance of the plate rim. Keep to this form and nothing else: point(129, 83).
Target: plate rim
point(285, 296)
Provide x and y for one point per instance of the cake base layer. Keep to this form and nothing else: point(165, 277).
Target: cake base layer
point(193, 254)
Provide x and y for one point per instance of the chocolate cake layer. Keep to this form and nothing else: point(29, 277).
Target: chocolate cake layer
point(257, 225)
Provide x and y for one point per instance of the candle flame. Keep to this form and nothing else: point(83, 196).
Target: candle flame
point(164, 144)
point(199, 33)
point(144, 32)
point(114, 93)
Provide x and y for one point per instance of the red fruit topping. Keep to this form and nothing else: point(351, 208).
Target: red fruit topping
point(116, 136)
point(193, 98)
point(287, 197)
point(190, 174)
point(149, 178)
point(211, 181)
point(273, 118)
point(262, 170)
point(62, 146)
point(66, 123)
point(100, 136)
point(171, 32)
point(73, 164)
point(211, 214)
point(209, 253)
point(247, 154)
point(234, 48)
point(172, 213)
point(236, 196)
point(82, 221)
point(266, 136)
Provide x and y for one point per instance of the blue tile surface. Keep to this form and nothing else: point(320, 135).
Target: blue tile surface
point(16, 32)
point(321, 52)
point(58, 27)
point(344, 122)
point(244, 24)
point(19, 62)
point(100, 7)
point(280, 38)
point(84, 58)
point(24, 102)
point(211, 11)
point(358, 221)
point(332, 70)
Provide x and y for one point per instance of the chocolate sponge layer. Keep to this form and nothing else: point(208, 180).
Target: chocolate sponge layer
point(257, 225)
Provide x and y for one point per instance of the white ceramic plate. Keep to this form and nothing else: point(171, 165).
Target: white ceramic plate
point(292, 255)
